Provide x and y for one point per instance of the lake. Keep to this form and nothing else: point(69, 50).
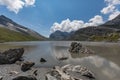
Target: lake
point(105, 63)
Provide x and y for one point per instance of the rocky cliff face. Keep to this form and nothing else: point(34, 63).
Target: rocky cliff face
point(13, 26)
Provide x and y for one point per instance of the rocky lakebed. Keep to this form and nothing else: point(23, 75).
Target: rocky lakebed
point(14, 66)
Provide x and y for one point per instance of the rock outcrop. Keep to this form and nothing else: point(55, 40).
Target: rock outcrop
point(70, 72)
point(11, 56)
point(79, 48)
point(26, 66)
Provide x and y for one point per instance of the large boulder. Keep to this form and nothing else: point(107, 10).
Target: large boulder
point(26, 66)
point(70, 72)
point(79, 48)
point(75, 47)
point(11, 56)
point(30, 77)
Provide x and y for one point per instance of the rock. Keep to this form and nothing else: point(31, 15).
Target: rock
point(63, 58)
point(78, 70)
point(1, 77)
point(30, 77)
point(11, 56)
point(70, 72)
point(26, 66)
point(35, 72)
point(79, 48)
point(13, 72)
point(43, 60)
point(75, 47)
point(49, 77)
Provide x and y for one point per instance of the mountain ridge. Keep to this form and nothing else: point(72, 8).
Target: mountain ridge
point(10, 25)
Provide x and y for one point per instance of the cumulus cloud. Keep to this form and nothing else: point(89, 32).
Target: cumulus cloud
point(29, 2)
point(114, 14)
point(95, 21)
point(16, 5)
point(111, 8)
point(108, 9)
point(68, 26)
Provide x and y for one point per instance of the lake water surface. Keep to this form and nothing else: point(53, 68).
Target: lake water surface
point(105, 63)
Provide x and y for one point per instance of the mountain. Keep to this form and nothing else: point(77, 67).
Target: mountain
point(109, 31)
point(12, 31)
point(93, 33)
point(114, 23)
point(59, 35)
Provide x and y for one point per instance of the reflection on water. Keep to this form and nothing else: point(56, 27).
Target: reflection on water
point(105, 63)
point(104, 69)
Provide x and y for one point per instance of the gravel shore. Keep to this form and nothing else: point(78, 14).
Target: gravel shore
point(8, 72)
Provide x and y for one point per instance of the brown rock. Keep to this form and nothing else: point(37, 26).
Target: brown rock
point(26, 66)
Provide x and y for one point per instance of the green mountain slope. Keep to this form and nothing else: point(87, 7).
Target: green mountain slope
point(9, 35)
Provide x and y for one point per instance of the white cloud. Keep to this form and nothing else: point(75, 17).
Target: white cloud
point(112, 2)
point(68, 26)
point(108, 9)
point(111, 9)
point(95, 21)
point(16, 5)
point(113, 15)
point(30, 2)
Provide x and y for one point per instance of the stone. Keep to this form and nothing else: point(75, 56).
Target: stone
point(70, 72)
point(13, 73)
point(35, 72)
point(1, 77)
point(30, 77)
point(75, 47)
point(63, 58)
point(27, 66)
point(11, 56)
point(79, 48)
point(43, 60)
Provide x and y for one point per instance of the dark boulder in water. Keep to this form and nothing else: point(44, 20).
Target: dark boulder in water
point(26, 66)
point(30, 77)
point(11, 56)
point(79, 48)
point(75, 47)
point(43, 60)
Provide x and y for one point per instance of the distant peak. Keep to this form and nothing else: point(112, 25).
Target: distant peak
point(2, 16)
point(5, 18)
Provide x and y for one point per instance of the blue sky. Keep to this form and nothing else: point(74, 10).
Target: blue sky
point(41, 15)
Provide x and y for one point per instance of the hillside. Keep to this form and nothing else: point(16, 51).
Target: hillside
point(9, 35)
point(12, 31)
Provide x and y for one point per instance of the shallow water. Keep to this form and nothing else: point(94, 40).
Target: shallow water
point(104, 63)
